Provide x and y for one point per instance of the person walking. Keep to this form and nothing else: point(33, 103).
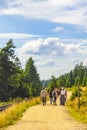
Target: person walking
point(63, 96)
point(43, 95)
point(51, 96)
point(55, 95)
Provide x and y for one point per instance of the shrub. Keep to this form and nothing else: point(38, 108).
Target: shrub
point(75, 93)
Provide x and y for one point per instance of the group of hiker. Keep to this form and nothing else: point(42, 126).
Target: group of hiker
point(53, 95)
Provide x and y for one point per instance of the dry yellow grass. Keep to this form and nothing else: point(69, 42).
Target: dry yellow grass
point(14, 112)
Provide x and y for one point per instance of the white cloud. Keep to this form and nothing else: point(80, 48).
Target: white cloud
point(52, 55)
point(45, 63)
point(52, 47)
point(83, 50)
point(49, 46)
point(16, 35)
point(57, 29)
point(67, 11)
point(85, 62)
point(73, 60)
point(70, 48)
point(33, 46)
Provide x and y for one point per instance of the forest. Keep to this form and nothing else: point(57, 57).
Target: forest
point(17, 82)
point(77, 76)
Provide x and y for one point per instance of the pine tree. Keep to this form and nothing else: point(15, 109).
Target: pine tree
point(14, 82)
point(32, 77)
point(8, 71)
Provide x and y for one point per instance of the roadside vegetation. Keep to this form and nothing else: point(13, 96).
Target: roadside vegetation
point(13, 113)
point(79, 114)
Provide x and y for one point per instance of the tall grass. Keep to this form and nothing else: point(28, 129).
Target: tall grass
point(78, 114)
point(72, 107)
point(13, 113)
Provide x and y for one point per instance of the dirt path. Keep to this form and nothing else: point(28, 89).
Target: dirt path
point(47, 117)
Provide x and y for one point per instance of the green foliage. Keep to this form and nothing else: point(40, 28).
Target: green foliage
point(32, 78)
point(61, 81)
point(45, 83)
point(70, 79)
point(14, 81)
point(74, 93)
point(53, 83)
point(84, 82)
point(9, 69)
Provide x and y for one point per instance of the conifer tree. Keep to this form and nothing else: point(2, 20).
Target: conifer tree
point(8, 71)
point(32, 77)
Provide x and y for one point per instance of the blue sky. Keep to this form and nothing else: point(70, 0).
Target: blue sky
point(53, 32)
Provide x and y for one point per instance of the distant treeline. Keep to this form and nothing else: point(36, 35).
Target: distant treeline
point(15, 81)
point(77, 76)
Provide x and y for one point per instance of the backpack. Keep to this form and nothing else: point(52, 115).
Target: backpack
point(54, 94)
point(51, 94)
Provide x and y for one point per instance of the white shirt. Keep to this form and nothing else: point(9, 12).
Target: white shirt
point(63, 92)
